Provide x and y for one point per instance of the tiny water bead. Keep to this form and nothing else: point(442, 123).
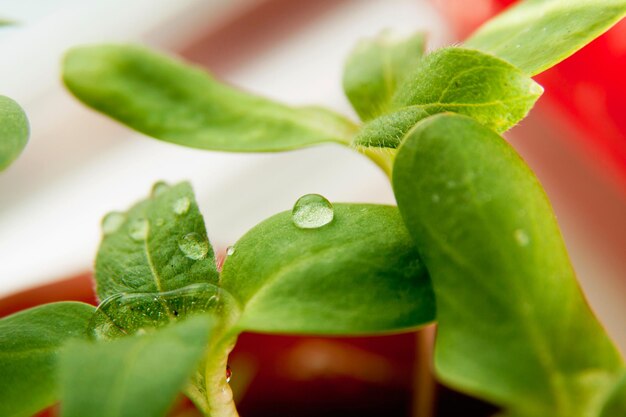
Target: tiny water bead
point(159, 188)
point(312, 211)
point(230, 250)
point(181, 206)
point(521, 237)
point(194, 246)
point(138, 229)
point(229, 373)
point(112, 222)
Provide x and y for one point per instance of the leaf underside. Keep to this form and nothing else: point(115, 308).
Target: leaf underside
point(457, 80)
point(514, 327)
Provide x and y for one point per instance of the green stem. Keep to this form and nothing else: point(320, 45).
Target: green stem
point(383, 157)
point(219, 397)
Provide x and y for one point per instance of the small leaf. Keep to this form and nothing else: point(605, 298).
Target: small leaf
point(513, 325)
point(159, 245)
point(455, 80)
point(535, 35)
point(376, 67)
point(14, 131)
point(29, 345)
point(357, 274)
point(136, 376)
point(175, 102)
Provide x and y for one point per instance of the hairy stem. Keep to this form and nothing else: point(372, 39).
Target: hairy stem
point(219, 396)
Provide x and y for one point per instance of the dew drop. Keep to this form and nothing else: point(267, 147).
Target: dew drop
point(159, 188)
point(229, 373)
point(181, 206)
point(230, 250)
point(112, 222)
point(194, 246)
point(312, 211)
point(138, 229)
point(521, 237)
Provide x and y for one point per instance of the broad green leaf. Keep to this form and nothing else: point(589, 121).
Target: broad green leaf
point(137, 376)
point(175, 102)
point(514, 327)
point(29, 345)
point(159, 245)
point(376, 67)
point(535, 35)
point(616, 404)
point(457, 80)
point(358, 274)
point(14, 131)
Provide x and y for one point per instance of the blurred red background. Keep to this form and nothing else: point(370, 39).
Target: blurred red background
point(587, 90)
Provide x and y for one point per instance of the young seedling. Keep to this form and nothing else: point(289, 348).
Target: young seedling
point(473, 234)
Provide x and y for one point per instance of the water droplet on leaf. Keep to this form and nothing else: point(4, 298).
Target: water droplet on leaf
point(230, 250)
point(194, 246)
point(229, 373)
point(138, 229)
point(181, 206)
point(112, 222)
point(159, 188)
point(521, 237)
point(312, 211)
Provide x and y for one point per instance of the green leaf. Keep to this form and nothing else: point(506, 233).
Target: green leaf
point(14, 131)
point(376, 67)
point(535, 35)
point(137, 376)
point(458, 80)
point(159, 245)
point(175, 102)
point(514, 327)
point(616, 404)
point(29, 345)
point(358, 274)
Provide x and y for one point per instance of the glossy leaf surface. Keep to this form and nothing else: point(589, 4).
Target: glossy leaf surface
point(457, 80)
point(535, 35)
point(358, 274)
point(14, 131)
point(376, 67)
point(29, 346)
point(159, 245)
point(137, 376)
point(176, 102)
point(514, 327)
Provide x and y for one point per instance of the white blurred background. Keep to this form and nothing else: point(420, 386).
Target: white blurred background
point(78, 165)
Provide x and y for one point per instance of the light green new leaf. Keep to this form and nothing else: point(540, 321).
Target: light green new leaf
point(358, 274)
point(514, 327)
point(376, 67)
point(457, 80)
point(14, 131)
point(175, 102)
point(137, 376)
point(159, 245)
point(535, 35)
point(29, 345)
point(616, 403)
